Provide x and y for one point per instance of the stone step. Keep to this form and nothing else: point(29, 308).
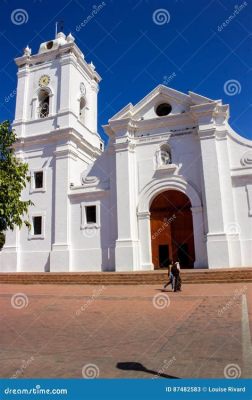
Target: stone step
point(128, 278)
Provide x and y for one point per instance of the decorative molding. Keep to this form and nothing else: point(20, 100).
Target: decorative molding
point(90, 181)
point(168, 169)
point(196, 210)
point(246, 159)
point(242, 172)
point(221, 134)
point(65, 134)
point(67, 50)
point(65, 153)
point(144, 215)
point(127, 145)
point(156, 186)
point(206, 133)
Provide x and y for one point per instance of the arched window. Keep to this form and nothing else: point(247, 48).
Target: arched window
point(165, 155)
point(82, 109)
point(44, 101)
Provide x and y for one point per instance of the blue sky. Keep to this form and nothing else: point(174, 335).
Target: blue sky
point(135, 45)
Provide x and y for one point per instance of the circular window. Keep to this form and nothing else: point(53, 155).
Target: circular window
point(163, 109)
point(49, 45)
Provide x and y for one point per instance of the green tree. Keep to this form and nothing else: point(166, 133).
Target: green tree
point(13, 179)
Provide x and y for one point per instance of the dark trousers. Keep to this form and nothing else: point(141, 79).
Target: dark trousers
point(177, 283)
point(171, 281)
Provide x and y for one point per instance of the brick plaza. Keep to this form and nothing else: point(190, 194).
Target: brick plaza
point(76, 331)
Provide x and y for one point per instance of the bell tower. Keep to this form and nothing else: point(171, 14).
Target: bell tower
point(57, 90)
point(56, 125)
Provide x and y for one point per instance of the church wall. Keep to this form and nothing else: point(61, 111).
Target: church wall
point(185, 152)
point(43, 205)
point(39, 159)
point(91, 247)
point(244, 223)
point(240, 151)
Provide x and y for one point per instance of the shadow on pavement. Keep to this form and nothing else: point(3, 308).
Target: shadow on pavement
point(135, 366)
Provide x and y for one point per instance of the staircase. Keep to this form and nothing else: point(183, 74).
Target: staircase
point(230, 275)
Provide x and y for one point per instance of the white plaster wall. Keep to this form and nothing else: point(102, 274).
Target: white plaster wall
point(185, 150)
point(91, 248)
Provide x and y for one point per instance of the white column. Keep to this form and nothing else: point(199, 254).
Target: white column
point(231, 225)
point(212, 118)
point(92, 105)
point(145, 241)
point(217, 244)
point(127, 243)
point(64, 88)
point(60, 256)
point(23, 106)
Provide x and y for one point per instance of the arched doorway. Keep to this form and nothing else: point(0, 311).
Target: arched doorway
point(172, 229)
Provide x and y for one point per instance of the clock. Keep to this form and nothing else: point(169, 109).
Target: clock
point(82, 88)
point(44, 80)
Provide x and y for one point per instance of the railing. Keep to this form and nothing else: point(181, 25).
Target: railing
point(43, 110)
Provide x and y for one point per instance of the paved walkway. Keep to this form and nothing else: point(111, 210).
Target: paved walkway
point(132, 331)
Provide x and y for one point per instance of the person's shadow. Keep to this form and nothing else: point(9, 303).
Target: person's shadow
point(135, 366)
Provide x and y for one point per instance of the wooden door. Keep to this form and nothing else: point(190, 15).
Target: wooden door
point(172, 226)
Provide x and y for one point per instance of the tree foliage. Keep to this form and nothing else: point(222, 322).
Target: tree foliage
point(13, 179)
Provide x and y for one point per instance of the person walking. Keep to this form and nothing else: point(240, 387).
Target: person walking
point(175, 270)
point(170, 276)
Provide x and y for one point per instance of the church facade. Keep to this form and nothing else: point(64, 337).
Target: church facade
point(173, 183)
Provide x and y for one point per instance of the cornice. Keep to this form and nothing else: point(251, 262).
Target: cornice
point(207, 132)
point(127, 145)
point(160, 90)
point(136, 127)
point(82, 191)
point(210, 113)
point(241, 171)
point(62, 135)
point(64, 51)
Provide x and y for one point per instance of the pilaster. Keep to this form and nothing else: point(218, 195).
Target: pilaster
point(60, 258)
point(127, 245)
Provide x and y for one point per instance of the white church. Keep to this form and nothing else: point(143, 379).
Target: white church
point(173, 183)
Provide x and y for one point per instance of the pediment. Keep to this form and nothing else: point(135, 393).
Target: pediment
point(147, 107)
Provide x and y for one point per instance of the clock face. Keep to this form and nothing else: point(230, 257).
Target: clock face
point(82, 88)
point(44, 80)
